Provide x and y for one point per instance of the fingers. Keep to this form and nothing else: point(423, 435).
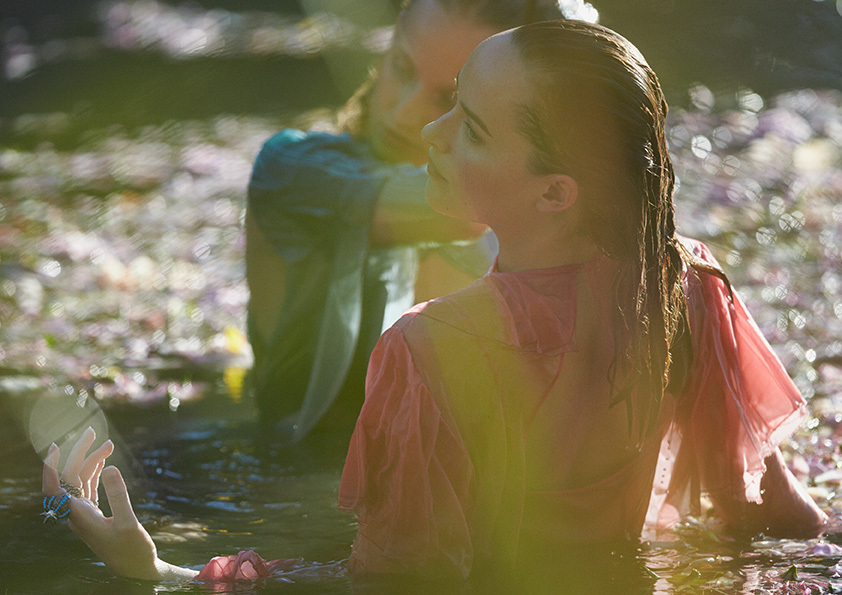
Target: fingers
point(86, 520)
point(95, 461)
point(77, 457)
point(49, 478)
point(93, 486)
point(118, 497)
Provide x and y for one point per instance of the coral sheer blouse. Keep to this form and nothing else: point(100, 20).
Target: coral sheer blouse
point(487, 431)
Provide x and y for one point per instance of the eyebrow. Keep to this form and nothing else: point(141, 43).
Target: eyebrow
point(470, 113)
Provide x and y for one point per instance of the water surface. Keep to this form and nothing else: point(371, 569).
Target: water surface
point(122, 301)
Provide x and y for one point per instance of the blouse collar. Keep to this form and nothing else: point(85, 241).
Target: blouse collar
point(541, 304)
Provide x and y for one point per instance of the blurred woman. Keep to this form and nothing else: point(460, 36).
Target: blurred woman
point(337, 223)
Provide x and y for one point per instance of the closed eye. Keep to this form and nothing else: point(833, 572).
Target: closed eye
point(402, 66)
point(470, 132)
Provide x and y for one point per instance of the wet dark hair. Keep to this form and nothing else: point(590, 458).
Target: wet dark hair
point(596, 112)
point(495, 14)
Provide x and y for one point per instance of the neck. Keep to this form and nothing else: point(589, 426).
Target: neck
point(544, 250)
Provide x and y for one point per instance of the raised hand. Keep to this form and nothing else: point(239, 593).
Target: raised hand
point(120, 541)
point(81, 474)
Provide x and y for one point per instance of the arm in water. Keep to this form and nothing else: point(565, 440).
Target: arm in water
point(120, 541)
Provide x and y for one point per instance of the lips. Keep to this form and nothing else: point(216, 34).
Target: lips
point(432, 170)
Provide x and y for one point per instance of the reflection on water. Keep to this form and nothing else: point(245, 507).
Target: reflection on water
point(122, 284)
point(204, 486)
point(204, 483)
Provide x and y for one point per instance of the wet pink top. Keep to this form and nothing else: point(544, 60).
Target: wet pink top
point(487, 430)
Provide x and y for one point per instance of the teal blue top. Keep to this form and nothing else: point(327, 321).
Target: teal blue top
point(313, 196)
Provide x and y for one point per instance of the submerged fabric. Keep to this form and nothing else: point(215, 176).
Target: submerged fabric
point(487, 431)
point(313, 196)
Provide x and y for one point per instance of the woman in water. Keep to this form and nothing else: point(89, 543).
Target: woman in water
point(585, 391)
point(335, 221)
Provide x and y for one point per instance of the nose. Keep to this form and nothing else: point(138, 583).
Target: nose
point(436, 134)
point(415, 108)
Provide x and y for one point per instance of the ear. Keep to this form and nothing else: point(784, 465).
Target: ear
point(560, 194)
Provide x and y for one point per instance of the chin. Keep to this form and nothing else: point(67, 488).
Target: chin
point(433, 197)
point(440, 204)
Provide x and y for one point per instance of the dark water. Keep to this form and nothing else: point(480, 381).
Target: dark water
point(202, 482)
point(124, 154)
point(205, 481)
point(134, 63)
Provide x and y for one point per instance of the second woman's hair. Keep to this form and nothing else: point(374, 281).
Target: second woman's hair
point(494, 14)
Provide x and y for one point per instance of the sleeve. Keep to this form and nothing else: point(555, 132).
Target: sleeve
point(305, 188)
point(407, 475)
point(245, 565)
point(739, 404)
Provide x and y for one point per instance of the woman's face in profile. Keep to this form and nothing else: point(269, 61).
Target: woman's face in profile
point(479, 161)
point(415, 83)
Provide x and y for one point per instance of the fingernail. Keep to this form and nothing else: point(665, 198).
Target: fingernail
point(52, 447)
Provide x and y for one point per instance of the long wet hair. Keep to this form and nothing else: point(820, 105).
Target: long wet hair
point(597, 113)
point(495, 14)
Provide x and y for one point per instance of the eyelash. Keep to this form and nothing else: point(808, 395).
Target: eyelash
point(471, 133)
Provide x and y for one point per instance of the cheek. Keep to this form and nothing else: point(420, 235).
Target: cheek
point(385, 94)
point(460, 196)
point(476, 186)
